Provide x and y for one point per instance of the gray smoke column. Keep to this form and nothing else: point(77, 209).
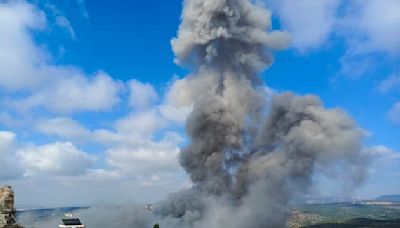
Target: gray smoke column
point(248, 160)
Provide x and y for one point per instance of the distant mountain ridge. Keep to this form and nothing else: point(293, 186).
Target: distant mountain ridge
point(391, 198)
point(42, 214)
point(33, 217)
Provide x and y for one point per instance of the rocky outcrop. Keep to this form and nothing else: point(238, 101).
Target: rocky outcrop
point(299, 219)
point(7, 210)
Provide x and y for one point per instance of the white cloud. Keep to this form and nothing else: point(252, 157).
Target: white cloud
point(175, 107)
point(143, 123)
point(384, 166)
point(97, 187)
point(140, 152)
point(148, 161)
point(179, 101)
point(389, 84)
point(383, 153)
point(310, 23)
point(6, 119)
point(63, 127)
point(135, 152)
point(376, 26)
point(141, 147)
point(20, 58)
point(53, 171)
point(26, 67)
point(182, 94)
point(73, 92)
point(355, 65)
point(175, 113)
point(142, 95)
point(6, 142)
point(9, 168)
point(394, 113)
point(55, 159)
point(149, 117)
point(135, 129)
point(369, 27)
point(384, 161)
point(153, 158)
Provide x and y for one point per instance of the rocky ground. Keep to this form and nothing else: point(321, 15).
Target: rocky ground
point(299, 219)
point(363, 214)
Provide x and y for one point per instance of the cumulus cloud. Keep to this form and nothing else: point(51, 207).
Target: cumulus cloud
point(181, 93)
point(27, 67)
point(178, 101)
point(177, 114)
point(20, 56)
point(9, 168)
point(381, 152)
point(310, 23)
point(149, 117)
point(73, 92)
point(63, 127)
point(367, 27)
point(143, 123)
point(60, 158)
point(135, 151)
point(52, 170)
point(375, 23)
point(11, 121)
point(32, 82)
point(148, 160)
point(384, 171)
point(140, 146)
point(142, 95)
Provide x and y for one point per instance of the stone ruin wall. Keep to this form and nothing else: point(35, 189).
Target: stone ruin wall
point(7, 209)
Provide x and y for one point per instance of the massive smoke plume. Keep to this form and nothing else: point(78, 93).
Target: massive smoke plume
point(248, 160)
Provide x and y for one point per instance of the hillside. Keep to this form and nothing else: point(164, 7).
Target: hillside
point(391, 198)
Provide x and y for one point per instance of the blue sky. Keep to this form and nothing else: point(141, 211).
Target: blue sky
point(88, 91)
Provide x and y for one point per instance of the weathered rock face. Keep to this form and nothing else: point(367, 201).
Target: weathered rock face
point(7, 210)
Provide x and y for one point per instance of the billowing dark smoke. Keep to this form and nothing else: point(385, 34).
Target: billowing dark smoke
point(248, 160)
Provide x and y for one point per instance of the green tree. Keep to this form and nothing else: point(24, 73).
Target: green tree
point(156, 225)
